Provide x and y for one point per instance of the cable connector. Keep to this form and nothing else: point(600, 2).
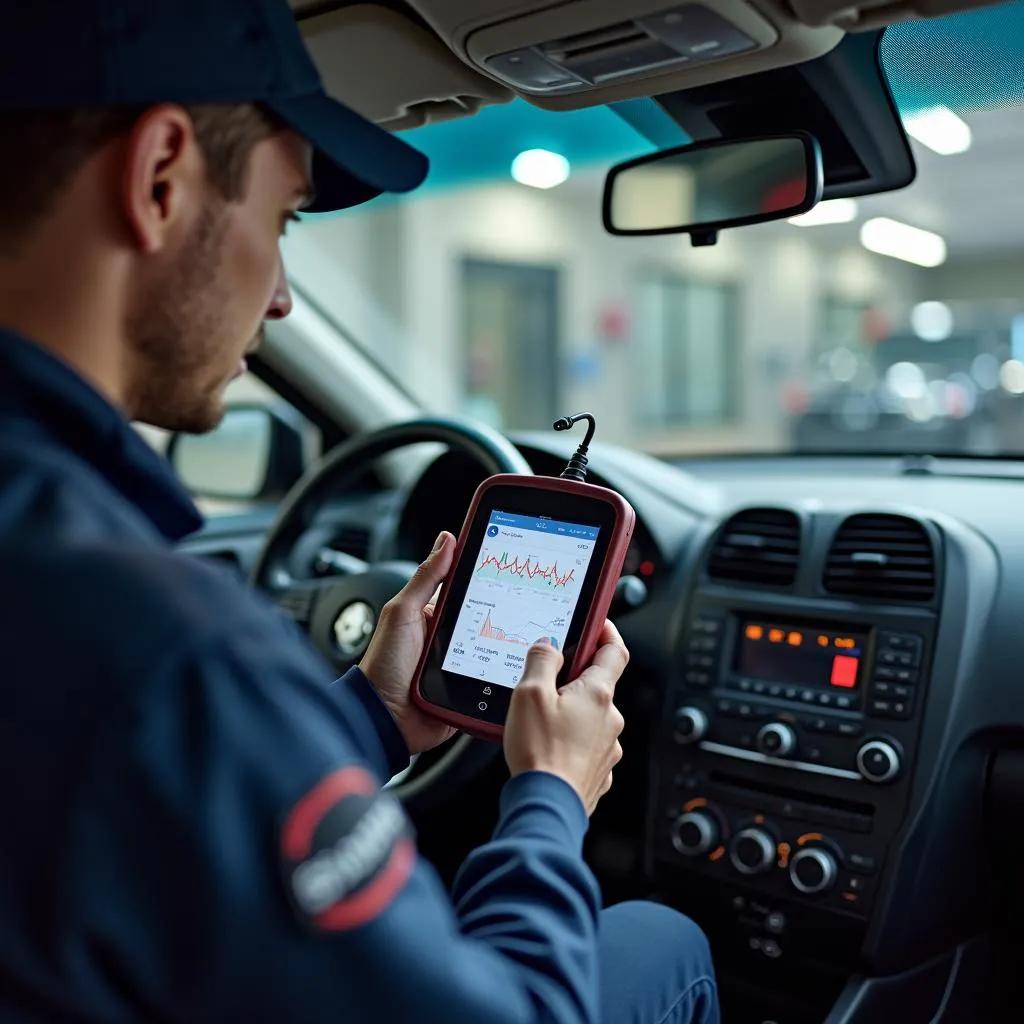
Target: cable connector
point(576, 467)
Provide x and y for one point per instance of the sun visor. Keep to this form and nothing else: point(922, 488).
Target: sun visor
point(563, 56)
point(392, 70)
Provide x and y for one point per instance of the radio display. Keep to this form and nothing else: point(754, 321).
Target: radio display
point(799, 655)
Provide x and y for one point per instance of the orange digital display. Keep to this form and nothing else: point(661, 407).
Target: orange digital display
point(799, 656)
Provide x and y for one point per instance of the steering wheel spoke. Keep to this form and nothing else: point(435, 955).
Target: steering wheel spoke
point(298, 600)
point(339, 563)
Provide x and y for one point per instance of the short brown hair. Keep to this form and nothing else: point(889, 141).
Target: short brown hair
point(41, 149)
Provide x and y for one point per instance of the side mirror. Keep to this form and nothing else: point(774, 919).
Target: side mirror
point(702, 188)
point(256, 453)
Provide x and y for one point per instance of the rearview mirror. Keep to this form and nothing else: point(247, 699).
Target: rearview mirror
point(704, 187)
point(255, 453)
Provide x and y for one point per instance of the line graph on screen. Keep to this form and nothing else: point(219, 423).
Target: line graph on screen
point(527, 571)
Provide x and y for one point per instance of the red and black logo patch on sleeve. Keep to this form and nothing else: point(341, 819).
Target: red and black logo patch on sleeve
point(347, 850)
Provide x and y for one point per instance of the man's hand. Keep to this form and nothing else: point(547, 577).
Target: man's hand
point(394, 651)
point(572, 732)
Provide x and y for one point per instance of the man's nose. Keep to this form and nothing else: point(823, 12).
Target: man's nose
point(281, 301)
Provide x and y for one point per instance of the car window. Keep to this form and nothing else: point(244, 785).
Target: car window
point(888, 323)
point(224, 470)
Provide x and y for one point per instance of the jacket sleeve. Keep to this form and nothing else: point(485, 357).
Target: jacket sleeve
point(378, 737)
point(236, 860)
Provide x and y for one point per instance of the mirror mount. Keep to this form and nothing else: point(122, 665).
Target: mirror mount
point(699, 239)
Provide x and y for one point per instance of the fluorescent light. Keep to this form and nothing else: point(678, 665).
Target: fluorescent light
point(940, 130)
point(902, 242)
point(1011, 376)
point(832, 211)
point(540, 168)
point(906, 380)
point(932, 321)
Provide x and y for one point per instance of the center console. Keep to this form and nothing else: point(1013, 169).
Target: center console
point(784, 759)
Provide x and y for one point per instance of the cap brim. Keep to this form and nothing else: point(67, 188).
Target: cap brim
point(354, 160)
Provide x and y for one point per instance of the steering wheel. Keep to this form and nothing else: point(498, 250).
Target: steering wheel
point(339, 613)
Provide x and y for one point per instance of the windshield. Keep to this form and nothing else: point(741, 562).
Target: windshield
point(889, 323)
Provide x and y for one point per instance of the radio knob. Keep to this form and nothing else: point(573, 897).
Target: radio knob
point(690, 726)
point(695, 833)
point(812, 870)
point(776, 739)
point(878, 761)
point(752, 851)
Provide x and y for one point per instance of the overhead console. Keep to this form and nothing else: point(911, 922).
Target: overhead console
point(788, 744)
point(585, 52)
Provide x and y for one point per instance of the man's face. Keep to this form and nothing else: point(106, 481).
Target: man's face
point(203, 309)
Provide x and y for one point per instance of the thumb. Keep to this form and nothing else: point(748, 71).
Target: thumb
point(431, 572)
point(542, 664)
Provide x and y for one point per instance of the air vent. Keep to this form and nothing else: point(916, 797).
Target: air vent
point(353, 540)
point(889, 558)
point(758, 545)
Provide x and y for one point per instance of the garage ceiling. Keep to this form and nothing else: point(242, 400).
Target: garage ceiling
point(973, 199)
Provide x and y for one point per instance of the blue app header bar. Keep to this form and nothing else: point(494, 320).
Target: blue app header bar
point(554, 527)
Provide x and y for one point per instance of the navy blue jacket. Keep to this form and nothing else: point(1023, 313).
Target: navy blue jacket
point(193, 825)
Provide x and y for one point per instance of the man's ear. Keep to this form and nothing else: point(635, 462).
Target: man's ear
point(164, 173)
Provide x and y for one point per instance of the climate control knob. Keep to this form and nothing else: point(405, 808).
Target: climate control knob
point(752, 851)
point(812, 870)
point(878, 761)
point(695, 833)
point(691, 724)
point(776, 739)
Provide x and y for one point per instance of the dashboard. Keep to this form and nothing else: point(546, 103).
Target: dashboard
point(825, 741)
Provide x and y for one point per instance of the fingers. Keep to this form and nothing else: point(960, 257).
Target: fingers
point(428, 577)
point(611, 659)
point(540, 672)
point(540, 676)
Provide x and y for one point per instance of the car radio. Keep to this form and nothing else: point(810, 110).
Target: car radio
point(785, 754)
point(800, 689)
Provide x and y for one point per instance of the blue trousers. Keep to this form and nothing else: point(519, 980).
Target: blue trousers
point(655, 967)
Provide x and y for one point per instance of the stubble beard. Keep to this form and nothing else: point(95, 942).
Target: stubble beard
point(176, 337)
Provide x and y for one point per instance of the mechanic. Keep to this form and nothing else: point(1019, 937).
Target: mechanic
point(195, 825)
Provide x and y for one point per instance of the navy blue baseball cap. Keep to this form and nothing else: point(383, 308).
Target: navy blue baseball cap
point(57, 54)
